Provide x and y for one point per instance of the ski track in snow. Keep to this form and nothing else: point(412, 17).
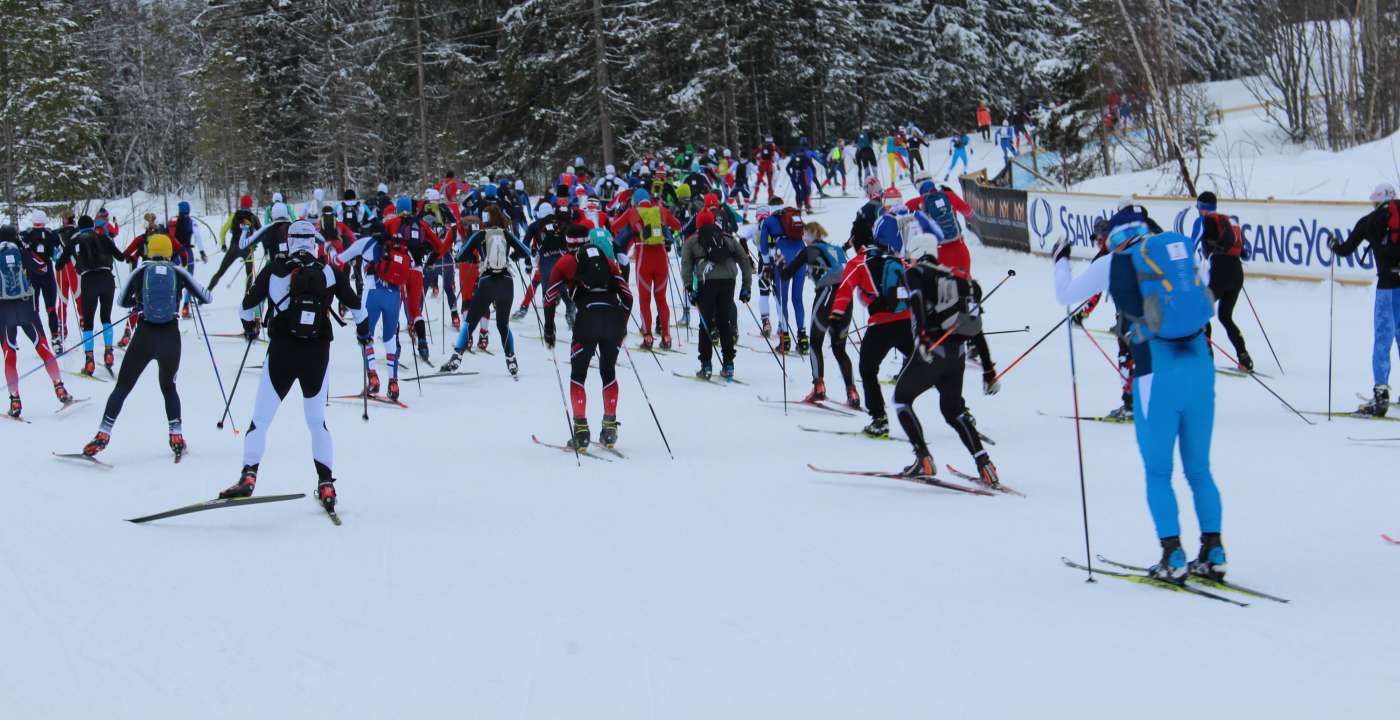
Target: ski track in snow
point(478, 575)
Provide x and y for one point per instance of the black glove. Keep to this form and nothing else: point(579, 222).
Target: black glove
point(1333, 242)
point(203, 257)
point(744, 296)
point(250, 329)
point(1061, 250)
point(362, 332)
point(990, 386)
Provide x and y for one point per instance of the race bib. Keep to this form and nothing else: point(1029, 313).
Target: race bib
point(161, 270)
point(308, 317)
point(1176, 251)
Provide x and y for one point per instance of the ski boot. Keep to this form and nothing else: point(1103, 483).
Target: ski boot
point(1123, 413)
point(802, 343)
point(784, 342)
point(16, 407)
point(1210, 562)
point(456, 320)
point(177, 445)
point(685, 316)
point(922, 466)
point(373, 383)
point(1172, 567)
point(126, 338)
point(1246, 362)
point(726, 371)
point(766, 328)
point(705, 372)
point(394, 389)
point(89, 364)
point(58, 346)
point(247, 481)
point(325, 492)
point(988, 472)
point(108, 358)
point(1379, 404)
point(646, 341)
point(607, 437)
point(423, 347)
point(879, 427)
point(852, 397)
point(520, 314)
point(483, 339)
point(97, 444)
point(665, 342)
point(818, 393)
point(452, 363)
point(548, 339)
point(581, 436)
point(62, 394)
point(512, 365)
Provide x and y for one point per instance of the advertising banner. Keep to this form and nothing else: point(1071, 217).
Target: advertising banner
point(998, 214)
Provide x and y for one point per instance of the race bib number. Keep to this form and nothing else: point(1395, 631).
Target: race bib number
point(161, 270)
point(308, 317)
point(1176, 251)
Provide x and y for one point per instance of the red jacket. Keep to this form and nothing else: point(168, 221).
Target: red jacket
point(566, 269)
point(960, 205)
point(856, 278)
point(391, 228)
point(137, 249)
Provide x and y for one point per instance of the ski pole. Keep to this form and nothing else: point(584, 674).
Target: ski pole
point(71, 349)
point(416, 370)
point(650, 407)
point(781, 365)
point(1331, 299)
point(199, 317)
point(565, 400)
point(1008, 332)
point(364, 375)
point(1112, 364)
point(1047, 334)
point(1009, 274)
point(1078, 439)
point(236, 378)
point(1266, 387)
point(1264, 332)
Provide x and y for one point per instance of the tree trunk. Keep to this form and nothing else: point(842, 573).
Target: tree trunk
point(601, 83)
point(422, 97)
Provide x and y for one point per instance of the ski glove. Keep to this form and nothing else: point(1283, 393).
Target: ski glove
point(1061, 250)
point(250, 330)
point(836, 317)
point(693, 296)
point(362, 332)
point(744, 296)
point(990, 386)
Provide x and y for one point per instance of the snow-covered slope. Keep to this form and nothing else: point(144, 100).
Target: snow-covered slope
point(478, 575)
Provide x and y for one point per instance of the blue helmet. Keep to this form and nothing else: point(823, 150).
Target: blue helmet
point(489, 191)
point(640, 196)
point(184, 207)
point(403, 205)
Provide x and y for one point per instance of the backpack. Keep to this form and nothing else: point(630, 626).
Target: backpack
point(160, 292)
point(833, 260)
point(1175, 303)
point(948, 306)
point(350, 215)
point(893, 292)
point(1390, 247)
point(395, 264)
point(303, 315)
point(960, 142)
point(14, 278)
point(793, 226)
point(714, 245)
point(495, 251)
point(1225, 224)
point(594, 272)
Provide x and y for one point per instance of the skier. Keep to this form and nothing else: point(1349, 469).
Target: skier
point(824, 262)
point(1123, 413)
point(1220, 239)
point(984, 121)
point(916, 142)
point(423, 243)
point(766, 155)
point(604, 303)
point(95, 253)
point(299, 290)
point(783, 231)
point(271, 237)
point(1006, 140)
point(711, 261)
point(958, 148)
point(865, 156)
point(1155, 283)
point(942, 206)
point(799, 171)
point(186, 240)
point(153, 290)
point(491, 248)
point(653, 226)
point(45, 248)
point(546, 238)
point(610, 185)
point(1381, 229)
point(18, 272)
point(67, 274)
point(836, 165)
point(896, 154)
point(438, 272)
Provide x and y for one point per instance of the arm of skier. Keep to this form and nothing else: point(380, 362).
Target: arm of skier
point(256, 295)
point(1070, 290)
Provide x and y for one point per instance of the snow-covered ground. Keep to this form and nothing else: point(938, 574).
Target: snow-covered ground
point(478, 575)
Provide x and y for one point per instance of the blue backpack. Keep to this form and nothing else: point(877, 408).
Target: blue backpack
point(894, 292)
point(14, 278)
point(833, 257)
point(160, 293)
point(1175, 303)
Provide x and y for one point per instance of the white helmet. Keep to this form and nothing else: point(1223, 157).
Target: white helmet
point(383, 188)
point(277, 197)
point(1383, 193)
point(280, 212)
point(611, 170)
point(726, 152)
point(578, 161)
point(569, 170)
point(302, 236)
point(920, 245)
point(519, 184)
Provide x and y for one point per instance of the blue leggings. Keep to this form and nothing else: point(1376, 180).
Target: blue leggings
point(793, 298)
point(1387, 323)
point(382, 304)
point(1177, 400)
point(958, 154)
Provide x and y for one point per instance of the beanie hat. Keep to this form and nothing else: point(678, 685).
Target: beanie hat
point(519, 184)
point(183, 207)
point(158, 246)
point(490, 191)
point(8, 234)
point(85, 222)
point(38, 218)
point(704, 218)
point(383, 188)
point(280, 212)
point(349, 195)
point(1206, 201)
point(302, 237)
point(245, 202)
point(102, 211)
point(277, 197)
point(711, 200)
point(403, 205)
point(576, 234)
point(640, 196)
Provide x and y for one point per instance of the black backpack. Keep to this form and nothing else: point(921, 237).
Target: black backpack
point(714, 244)
point(594, 272)
point(303, 315)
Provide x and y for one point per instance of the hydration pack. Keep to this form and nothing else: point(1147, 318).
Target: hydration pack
point(14, 279)
point(160, 292)
point(714, 245)
point(495, 250)
point(890, 286)
point(1176, 304)
point(594, 272)
point(793, 226)
point(1229, 232)
point(303, 315)
point(950, 305)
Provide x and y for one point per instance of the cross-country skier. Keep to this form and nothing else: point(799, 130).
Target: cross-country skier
point(865, 156)
point(958, 148)
point(94, 254)
point(491, 249)
point(946, 315)
point(18, 272)
point(45, 247)
point(299, 290)
point(825, 263)
point(711, 262)
point(779, 242)
point(604, 303)
point(653, 226)
point(153, 291)
point(1381, 229)
point(1156, 284)
point(1220, 239)
point(766, 155)
point(1123, 413)
point(941, 205)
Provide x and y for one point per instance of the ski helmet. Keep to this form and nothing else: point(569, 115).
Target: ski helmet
point(1384, 192)
point(920, 245)
point(403, 205)
point(302, 237)
point(38, 218)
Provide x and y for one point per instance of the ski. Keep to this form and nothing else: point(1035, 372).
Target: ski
point(86, 376)
point(1239, 372)
point(215, 504)
point(431, 376)
point(657, 350)
point(1208, 582)
point(1154, 582)
point(616, 453)
point(16, 419)
point(238, 335)
point(812, 405)
point(1350, 414)
point(569, 450)
point(1390, 539)
point(999, 487)
point(1378, 439)
point(714, 379)
point(71, 403)
point(330, 512)
point(1093, 418)
point(920, 479)
point(374, 398)
point(850, 433)
point(81, 456)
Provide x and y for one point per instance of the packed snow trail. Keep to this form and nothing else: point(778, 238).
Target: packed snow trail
point(479, 575)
